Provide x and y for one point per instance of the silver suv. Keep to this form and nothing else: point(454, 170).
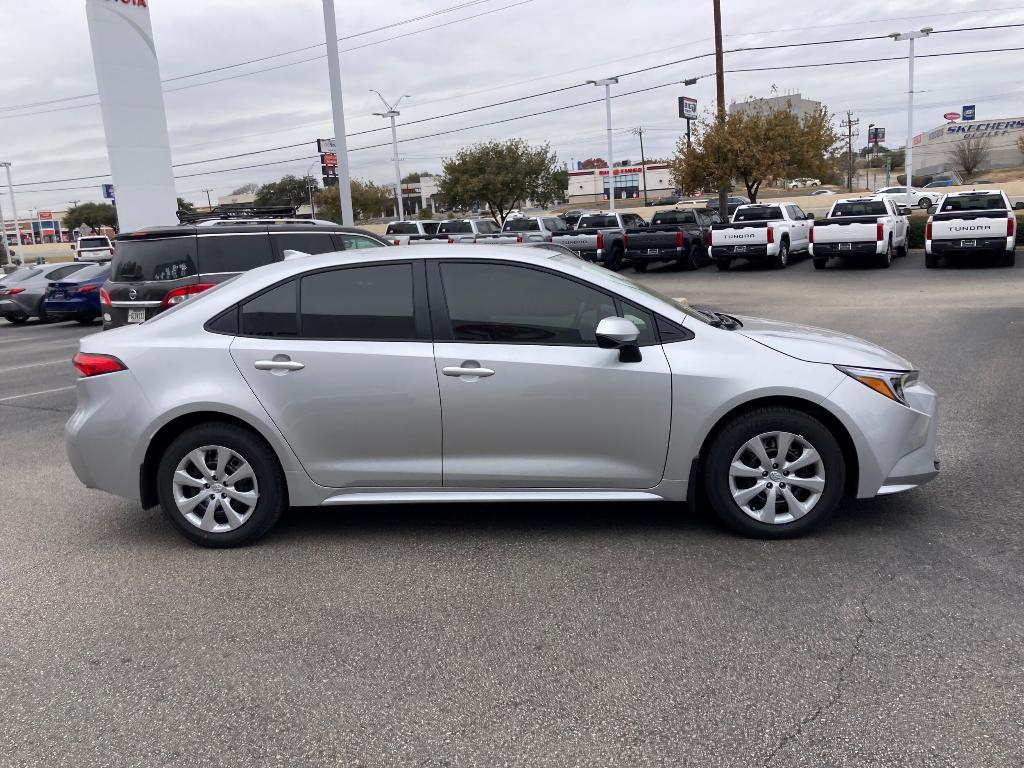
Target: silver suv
point(475, 374)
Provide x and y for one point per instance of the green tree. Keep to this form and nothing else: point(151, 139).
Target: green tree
point(502, 174)
point(185, 205)
point(369, 200)
point(290, 190)
point(427, 212)
point(96, 215)
point(414, 177)
point(755, 147)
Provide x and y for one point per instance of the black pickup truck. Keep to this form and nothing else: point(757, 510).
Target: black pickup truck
point(676, 235)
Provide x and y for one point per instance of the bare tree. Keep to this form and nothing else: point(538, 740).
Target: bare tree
point(1020, 144)
point(969, 154)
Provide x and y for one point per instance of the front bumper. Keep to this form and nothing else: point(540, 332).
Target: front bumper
point(895, 444)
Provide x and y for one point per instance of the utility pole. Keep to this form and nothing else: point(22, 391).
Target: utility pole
point(14, 205)
point(608, 82)
point(209, 203)
point(392, 112)
point(899, 37)
point(310, 187)
point(643, 160)
point(849, 125)
point(338, 112)
point(723, 191)
point(3, 237)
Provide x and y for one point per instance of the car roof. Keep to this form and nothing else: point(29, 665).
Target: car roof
point(977, 192)
point(187, 230)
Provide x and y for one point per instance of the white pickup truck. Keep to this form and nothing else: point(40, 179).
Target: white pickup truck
point(453, 231)
point(868, 227)
point(761, 232)
point(399, 232)
point(972, 224)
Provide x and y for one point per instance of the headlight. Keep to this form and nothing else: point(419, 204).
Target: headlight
point(889, 383)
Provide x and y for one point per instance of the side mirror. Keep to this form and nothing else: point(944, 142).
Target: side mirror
point(809, 217)
point(931, 209)
point(619, 333)
point(905, 211)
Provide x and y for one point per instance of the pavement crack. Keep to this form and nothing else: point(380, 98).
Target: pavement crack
point(856, 650)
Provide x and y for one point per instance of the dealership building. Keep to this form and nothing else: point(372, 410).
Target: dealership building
point(591, 186)
point(933, 149)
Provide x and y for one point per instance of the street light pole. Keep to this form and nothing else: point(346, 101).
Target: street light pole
point(911, 37)
point(392, 112)
point(338, 111)
point(14, 205)
point(608, 82)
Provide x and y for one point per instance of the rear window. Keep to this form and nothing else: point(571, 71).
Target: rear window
point(974, 203)
point(21, 274)
point(773, 213)
point(94, 242)
point(487, 228)
point(454, 228)
point(402, 228)
point(141, 260)
point(522, 225)
point(674, 217)
point(233, 253)
point(868, 208)
point(596, 221)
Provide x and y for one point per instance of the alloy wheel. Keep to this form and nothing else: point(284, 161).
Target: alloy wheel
point(215, 488)
point(776, 477)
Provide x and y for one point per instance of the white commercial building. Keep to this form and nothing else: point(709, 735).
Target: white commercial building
point(933, 149)
point(790, 102)
point(591, 186)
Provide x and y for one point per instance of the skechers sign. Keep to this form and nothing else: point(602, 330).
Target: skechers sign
point(996, 128)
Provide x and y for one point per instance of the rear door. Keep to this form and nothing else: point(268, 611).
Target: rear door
point(342, 361)
point(304, 242)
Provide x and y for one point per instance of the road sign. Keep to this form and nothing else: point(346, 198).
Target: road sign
point(968, 111)
point(325, 145)
point(108, 191)
point(952, 116)
point(876, 135)
point(330, 159)
point(331, 181)
point(687, 108)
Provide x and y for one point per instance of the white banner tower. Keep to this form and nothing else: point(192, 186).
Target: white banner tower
point(132, 103)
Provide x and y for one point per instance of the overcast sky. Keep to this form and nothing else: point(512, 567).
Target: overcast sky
point(488, 51)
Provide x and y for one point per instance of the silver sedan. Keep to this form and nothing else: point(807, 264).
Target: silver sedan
point(474, 374)
point(22, 292)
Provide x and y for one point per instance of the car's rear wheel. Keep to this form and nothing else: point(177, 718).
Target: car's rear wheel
point(884, 259)
point(820, 263)
point(723, 265)
point(221, 485)
point(16, 319)
point(781, 258)
point(774, 472)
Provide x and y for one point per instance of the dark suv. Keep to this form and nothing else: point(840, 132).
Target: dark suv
point(153, 269)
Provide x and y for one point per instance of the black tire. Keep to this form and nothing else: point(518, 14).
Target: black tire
point(1008, 259)
point(640, 265)
point(901, 251)
point(931, 261)
point(820, 263)
point(884, 260)
point(16, 319)
point(85, 319)
point(42, 314)
point(781, 259)
point(694, 257)
point(723, 265)
point(614, 262)
point(924, 203)
point(273, 492)
point(730, 440)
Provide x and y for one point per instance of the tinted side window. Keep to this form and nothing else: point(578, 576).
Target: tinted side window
point(506, 304)
point(60, 274)
point(402, 228)
point(487, 227)
point(359, 303)
point(233, 253)
point(307, 242)
point(431, 228)
point(272, 313)
point(354, 242)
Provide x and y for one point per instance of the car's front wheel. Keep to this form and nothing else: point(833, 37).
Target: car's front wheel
point(221, 485)
point(774, 472)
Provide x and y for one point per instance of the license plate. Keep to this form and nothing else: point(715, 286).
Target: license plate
point(136, 315)
point(968, 243)
point(652, 251)
point(57, 295)
point(738, 248)
point(845, 246)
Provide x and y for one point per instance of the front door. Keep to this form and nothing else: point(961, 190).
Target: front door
point(528, 399)
point(341, 360)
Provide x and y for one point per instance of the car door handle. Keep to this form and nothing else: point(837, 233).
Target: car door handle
point(457, 370)
point(278, 365)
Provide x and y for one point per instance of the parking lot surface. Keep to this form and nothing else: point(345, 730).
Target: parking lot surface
point(619, 635)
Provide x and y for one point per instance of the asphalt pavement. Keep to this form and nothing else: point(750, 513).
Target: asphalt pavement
point(541, 635)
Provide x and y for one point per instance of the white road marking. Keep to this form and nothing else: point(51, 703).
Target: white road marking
point(33, 394)
point(36, 365)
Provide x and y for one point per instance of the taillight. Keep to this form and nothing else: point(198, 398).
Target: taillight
point(625, 241)
point(1010, 222)
point(879, 231)
point(709, 238)
point(86, 289)
point(679, 238)
point(94, 365)
point(519, 239)
point(928, 230)
point(12, 291)
point(184, 293)
point(810, 235)
point(396, 242)
point(600, 242)
point(105, 298)
point(771, 234)
point(450, 241)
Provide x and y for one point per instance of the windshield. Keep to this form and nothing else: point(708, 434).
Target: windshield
point(521, 225)
point(981, 202)
point(590, 268)
point(866, 208)
point(168, 258)
point(766, 213)
point(94, 242)
point(596, 221)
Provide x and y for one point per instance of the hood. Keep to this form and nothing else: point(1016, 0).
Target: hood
point(820, 345)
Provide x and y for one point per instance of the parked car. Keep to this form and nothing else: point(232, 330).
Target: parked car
point(767, 232)
point(899, 196)
point(571, 217)
point(798, 183)
point(314, 382)
point(732, 204)
point(22, 292)
point(530, 229)
point(938, 184)
point(667, 200)
point(874, 228)
point(398, 232)
point(93, 248)
point(77, 296)
point(679, 236)
point(598, 236)
point(154, 269)
point(980, 223)
point(456, 231)
point(818, 192)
